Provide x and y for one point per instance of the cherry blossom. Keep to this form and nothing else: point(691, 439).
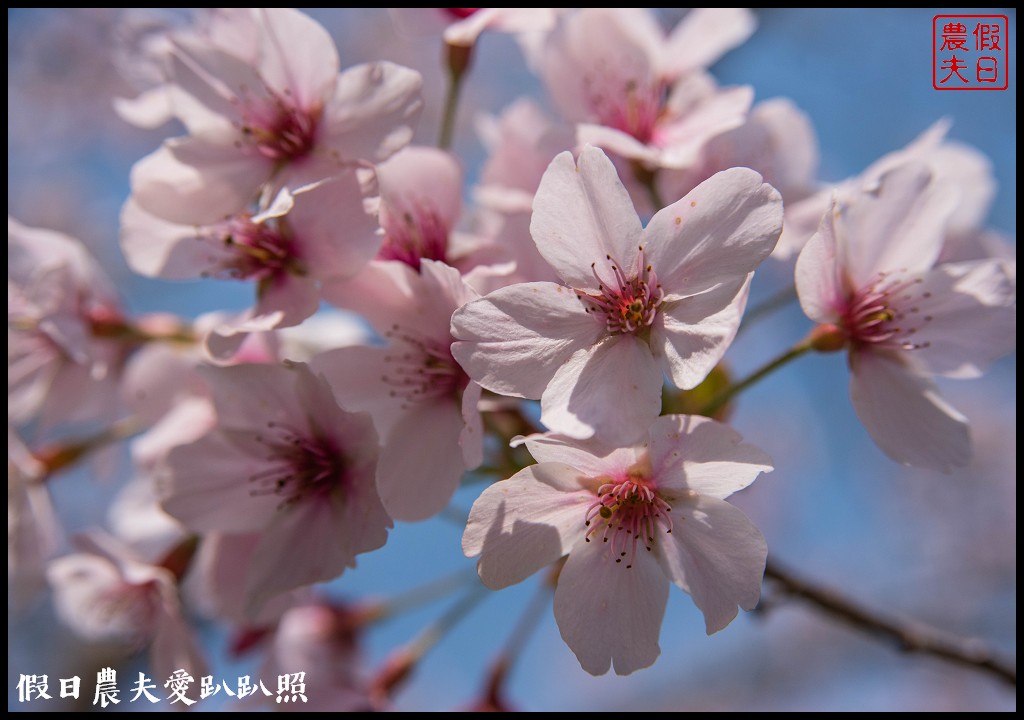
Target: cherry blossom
point(275, 108)
point(640, 94)
point(60, 305)
point(869, 277)
point(631, 520)
point(423, 404)
point(286, 250)
point(322, 641)
point(967, 172)
point(286, 462)
point(637, 302)
point(107, 593)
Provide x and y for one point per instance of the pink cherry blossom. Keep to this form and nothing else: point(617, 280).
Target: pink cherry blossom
point(322, 641)
point(640, 94)
point(869, 277)
point(274, 109)
point(286, 462)
point(638, 303)
point(286, 250)
point(967, 171)
point(631, 520)
point(107, 593)
point(423, 403)
point(59, 301)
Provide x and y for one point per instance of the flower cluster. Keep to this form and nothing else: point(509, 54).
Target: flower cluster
point(596, 281)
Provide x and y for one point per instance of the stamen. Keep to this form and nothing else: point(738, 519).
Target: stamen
point(630, 512)
point(629, 304)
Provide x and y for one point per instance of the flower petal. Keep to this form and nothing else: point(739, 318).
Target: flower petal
point(516, 338)
point(356, 375)
point(372, 112)
point(519, 525)
point(421, 465)
point(718, 233)
point(818, 282)
point(206, 485)
point(691, 335)
point(315, 540)
point(335, 236)
point(694, 453)
point(608, 614)
point(193, 181)
point(612, 390)
point(969, 317)
point(581, 214)
point(905, 415)
point(899, 225)
point(717, 555)
point(703, 36)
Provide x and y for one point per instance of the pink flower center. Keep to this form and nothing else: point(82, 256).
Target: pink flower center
point(419, 233)
point(885, 313)
point(630, 513)
point(632, 106)
point(258, 251)
point(275, 128)
point(420, 369)
point(628, 304)
point(299, 465)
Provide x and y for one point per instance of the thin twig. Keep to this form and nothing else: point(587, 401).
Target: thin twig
point(908, 636)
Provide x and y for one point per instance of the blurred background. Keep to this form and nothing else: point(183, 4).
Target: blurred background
point(940, 549)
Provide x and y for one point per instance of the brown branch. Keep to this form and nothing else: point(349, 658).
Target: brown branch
point(908, 636)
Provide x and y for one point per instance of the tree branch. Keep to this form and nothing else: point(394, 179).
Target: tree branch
point(908, 636)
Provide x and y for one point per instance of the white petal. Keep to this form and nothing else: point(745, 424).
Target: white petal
point(717, 555)
point(718, 233)
point(421, 464)
point(617, 142)
point(897, 226)
point(581, 214)
point(905, 415)
point(704, 35)
point(690, 452)
point(693, 121)
point(611, 391)
point(608, 614)
point(519, 525)
point(356, 375)
point(595, 53)
point(206, 485)
point(373, 110)
point(195, 182)
point(298, 56)
point(515, 339)
point(691, 335)
point(818, 275)
point(592, 457)
point(335, 236)
point(150, 109)
point(966, 317)
point(315, 540)
point(157, 248)
point(418, 178)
